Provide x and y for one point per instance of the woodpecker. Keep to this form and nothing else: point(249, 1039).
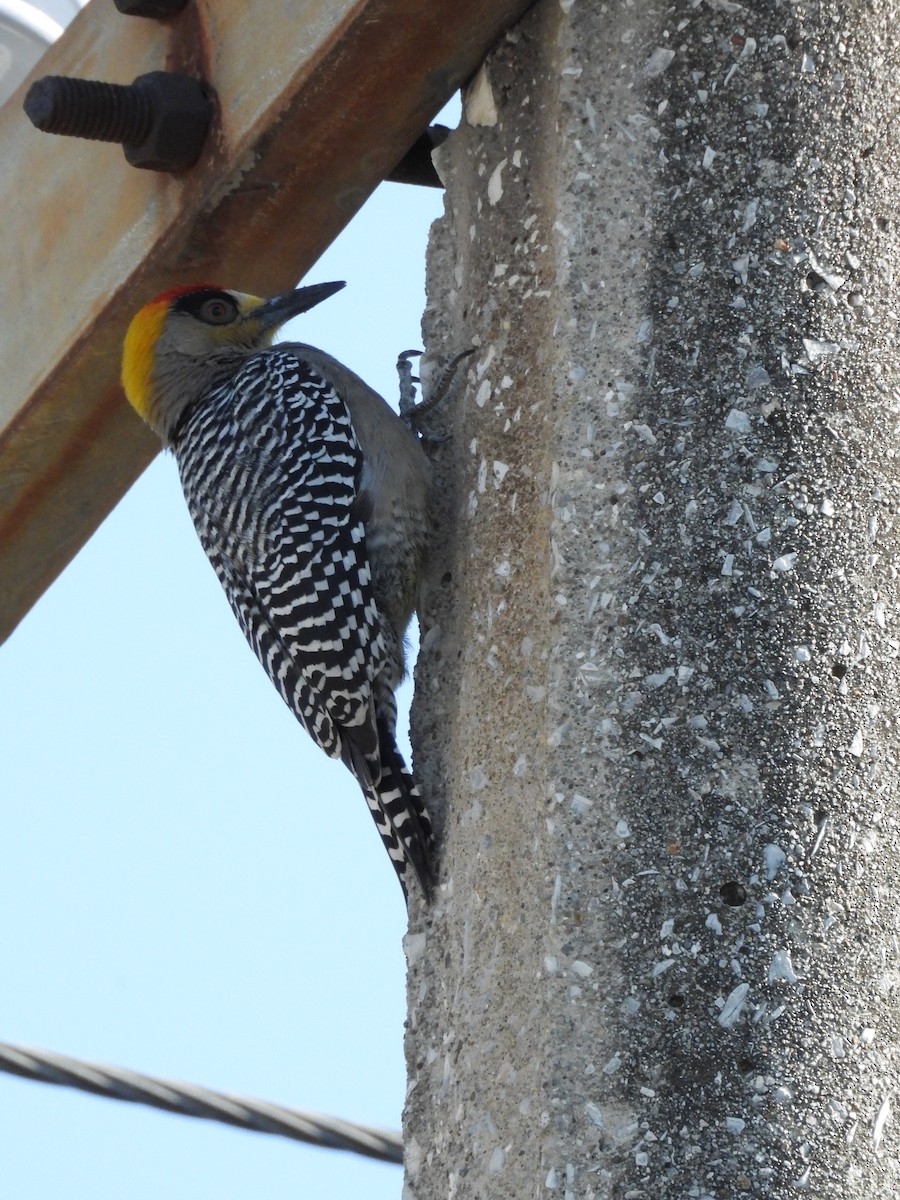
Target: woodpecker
point(309, 496)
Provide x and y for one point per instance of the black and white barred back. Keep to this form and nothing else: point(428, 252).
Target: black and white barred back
point(270, 467)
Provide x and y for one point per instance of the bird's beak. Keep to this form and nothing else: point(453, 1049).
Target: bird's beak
point(279, 309)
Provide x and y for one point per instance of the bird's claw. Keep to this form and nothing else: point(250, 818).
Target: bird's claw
point(412, 413)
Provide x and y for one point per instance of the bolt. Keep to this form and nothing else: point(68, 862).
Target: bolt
point(102, 112)
point(161, 120)
point(416, 165)
point(158, 9)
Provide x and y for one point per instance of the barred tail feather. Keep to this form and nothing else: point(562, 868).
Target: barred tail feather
point(399, 812)
point(402, 802)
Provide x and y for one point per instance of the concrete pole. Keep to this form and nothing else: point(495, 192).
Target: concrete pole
point(657, 705)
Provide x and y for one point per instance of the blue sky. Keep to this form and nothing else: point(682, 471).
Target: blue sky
point(189, 887)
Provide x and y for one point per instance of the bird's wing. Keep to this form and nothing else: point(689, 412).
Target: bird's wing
point(278, 519)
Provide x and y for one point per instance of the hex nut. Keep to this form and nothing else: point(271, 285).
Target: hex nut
point(159, 10)
point(182, 110)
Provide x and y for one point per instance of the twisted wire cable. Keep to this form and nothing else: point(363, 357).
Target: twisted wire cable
point(189, 1100)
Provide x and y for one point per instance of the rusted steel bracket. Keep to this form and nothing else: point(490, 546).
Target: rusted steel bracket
point(317, 102)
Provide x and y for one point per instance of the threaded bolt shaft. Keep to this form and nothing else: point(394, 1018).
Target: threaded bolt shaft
point(102, 112)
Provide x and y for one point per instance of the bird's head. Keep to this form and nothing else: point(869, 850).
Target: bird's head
point(191, 338)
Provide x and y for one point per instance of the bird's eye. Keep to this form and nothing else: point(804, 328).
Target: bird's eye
point(218, 311)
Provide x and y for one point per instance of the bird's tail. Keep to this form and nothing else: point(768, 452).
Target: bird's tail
point(400, 815)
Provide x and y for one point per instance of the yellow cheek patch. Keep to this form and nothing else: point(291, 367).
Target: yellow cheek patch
point(138, 354)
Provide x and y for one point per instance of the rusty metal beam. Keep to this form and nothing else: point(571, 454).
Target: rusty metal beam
point(316, 102)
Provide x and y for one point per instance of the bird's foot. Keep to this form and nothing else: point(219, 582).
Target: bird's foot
point(438, 381)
